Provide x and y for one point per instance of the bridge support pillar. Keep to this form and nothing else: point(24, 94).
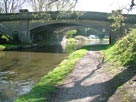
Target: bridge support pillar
point(24, 29)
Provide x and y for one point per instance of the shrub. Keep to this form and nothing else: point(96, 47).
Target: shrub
point(71, 33)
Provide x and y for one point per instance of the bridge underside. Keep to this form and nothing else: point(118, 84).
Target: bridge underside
point(55, 33)
point(51, 34)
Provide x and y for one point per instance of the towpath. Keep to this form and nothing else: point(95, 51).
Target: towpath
point(89, 82)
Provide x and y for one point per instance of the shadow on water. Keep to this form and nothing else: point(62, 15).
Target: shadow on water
point(100, 91)
point(69, 46)
point(45, 49)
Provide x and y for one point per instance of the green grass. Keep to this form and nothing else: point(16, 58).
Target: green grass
point(2, 47)
point(71, 40)
point(5, 37)
point(123, 52)
point(43, 90)
point(6, 46)
point(96, 47)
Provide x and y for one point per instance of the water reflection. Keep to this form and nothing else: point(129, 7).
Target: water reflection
point(46, 48)
point(19, 71)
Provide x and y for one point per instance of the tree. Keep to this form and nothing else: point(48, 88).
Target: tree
point(118, 20)
point(132, 4)
point(55, 5)
point(10, 6)
point(117, 23)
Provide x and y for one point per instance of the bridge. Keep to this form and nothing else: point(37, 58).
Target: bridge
point(31, 27)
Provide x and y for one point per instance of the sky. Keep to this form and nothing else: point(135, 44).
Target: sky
point(103, 5)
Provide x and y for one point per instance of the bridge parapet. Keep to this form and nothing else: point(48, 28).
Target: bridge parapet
point(54, 15)
point(67, 15)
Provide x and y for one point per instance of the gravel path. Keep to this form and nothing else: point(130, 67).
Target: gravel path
point(89, 83)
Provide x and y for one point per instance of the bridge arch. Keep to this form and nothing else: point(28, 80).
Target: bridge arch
point(54, 32)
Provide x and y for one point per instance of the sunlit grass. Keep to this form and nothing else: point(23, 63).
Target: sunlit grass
point(2, 47)
point(43, 90)
point(97, 47)
point(7, 46)
point(123, 52)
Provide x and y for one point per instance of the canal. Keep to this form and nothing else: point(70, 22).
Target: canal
point(20, 70)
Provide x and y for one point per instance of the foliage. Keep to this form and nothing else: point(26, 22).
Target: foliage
point(96, 47)
point(4, 38)
point(72, 45)
point(123, 51)
point(71, 40)
point(2, 47)
point(7, 46)
point(42, 91)
point(118, 20)
point(45, 16)
point(70, 33)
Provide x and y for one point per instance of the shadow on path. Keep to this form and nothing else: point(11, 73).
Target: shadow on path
point(99, 92)
point(113, 84)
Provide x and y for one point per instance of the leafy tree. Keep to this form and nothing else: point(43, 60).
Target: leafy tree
point(118, 20)
point(117, 23)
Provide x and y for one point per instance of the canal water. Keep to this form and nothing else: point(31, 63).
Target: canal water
point(19, 71)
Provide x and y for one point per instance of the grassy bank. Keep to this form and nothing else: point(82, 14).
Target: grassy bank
point(7, 46)
point(2, 47)
point(96, 47)
point(121, 62)
point(123, 52)
point(15, 46)
point(43, 90)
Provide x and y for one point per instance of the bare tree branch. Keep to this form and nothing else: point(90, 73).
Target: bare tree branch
point(11, 6)
point(132, 4)
point(48, 5)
